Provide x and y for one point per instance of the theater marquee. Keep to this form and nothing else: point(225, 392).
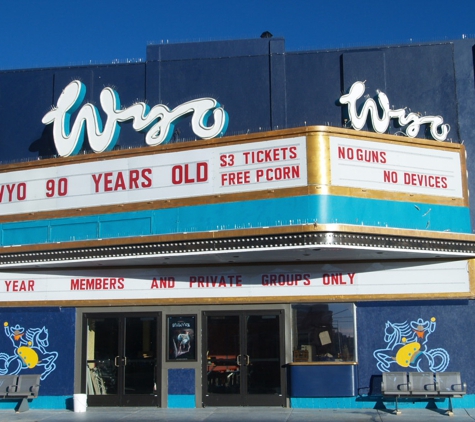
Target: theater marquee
point(280, 163)
point(395, 168)
point(344, 279)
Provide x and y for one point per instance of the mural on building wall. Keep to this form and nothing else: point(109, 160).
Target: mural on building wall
point(406, 347)
point(29, 351)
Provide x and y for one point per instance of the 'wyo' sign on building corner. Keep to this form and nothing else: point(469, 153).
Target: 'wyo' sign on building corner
point(158, 122)
point(410, 123)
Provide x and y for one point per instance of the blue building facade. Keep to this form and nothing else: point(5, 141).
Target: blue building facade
point(156, 270)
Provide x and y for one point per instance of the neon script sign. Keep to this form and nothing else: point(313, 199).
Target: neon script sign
point(410, 122)
point(158, 122)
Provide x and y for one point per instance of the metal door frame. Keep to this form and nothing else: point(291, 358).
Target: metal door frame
point(244, 398)
point(122, 399)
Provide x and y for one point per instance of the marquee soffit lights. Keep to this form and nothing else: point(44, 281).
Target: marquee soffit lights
point(260, 243)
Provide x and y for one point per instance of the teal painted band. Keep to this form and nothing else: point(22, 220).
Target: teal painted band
point(292, 211)
point(41, 402)
point(467, 402)
point(181, 401)
point(189, 401)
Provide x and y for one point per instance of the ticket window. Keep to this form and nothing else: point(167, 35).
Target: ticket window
point(323, 332)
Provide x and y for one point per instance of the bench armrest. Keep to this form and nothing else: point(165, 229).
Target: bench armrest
point(35, 389)
point(10, 389)
point(463, 387)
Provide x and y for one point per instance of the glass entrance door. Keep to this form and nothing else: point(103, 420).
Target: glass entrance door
point(122, 359)
point(244, 358)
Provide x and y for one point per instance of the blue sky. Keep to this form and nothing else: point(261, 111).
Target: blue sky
point(43, 33)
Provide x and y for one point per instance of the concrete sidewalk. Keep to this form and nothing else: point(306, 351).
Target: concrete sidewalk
point(235, 414)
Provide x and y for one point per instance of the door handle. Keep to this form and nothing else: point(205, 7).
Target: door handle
point(238, 360)
point(122, 360)
point(247, 360)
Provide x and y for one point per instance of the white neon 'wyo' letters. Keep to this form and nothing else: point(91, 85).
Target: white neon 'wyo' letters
point(158, 122)
point(412, 122)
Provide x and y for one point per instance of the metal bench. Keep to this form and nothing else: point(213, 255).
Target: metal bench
point(22, 387)
point(423, 385)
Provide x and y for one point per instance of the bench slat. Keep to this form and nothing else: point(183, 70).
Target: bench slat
point(422, 383)
point(8, 384)
point(450, 383)
point(27, 386)
point(395, 384)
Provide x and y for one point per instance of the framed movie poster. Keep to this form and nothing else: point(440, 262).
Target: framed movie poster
point(181, 337)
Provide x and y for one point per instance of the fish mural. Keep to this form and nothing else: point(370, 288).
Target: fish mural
point(30, 350)
point(406, 347)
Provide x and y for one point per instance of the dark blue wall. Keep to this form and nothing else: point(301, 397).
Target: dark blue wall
point(48, 333)
point(450, 337)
